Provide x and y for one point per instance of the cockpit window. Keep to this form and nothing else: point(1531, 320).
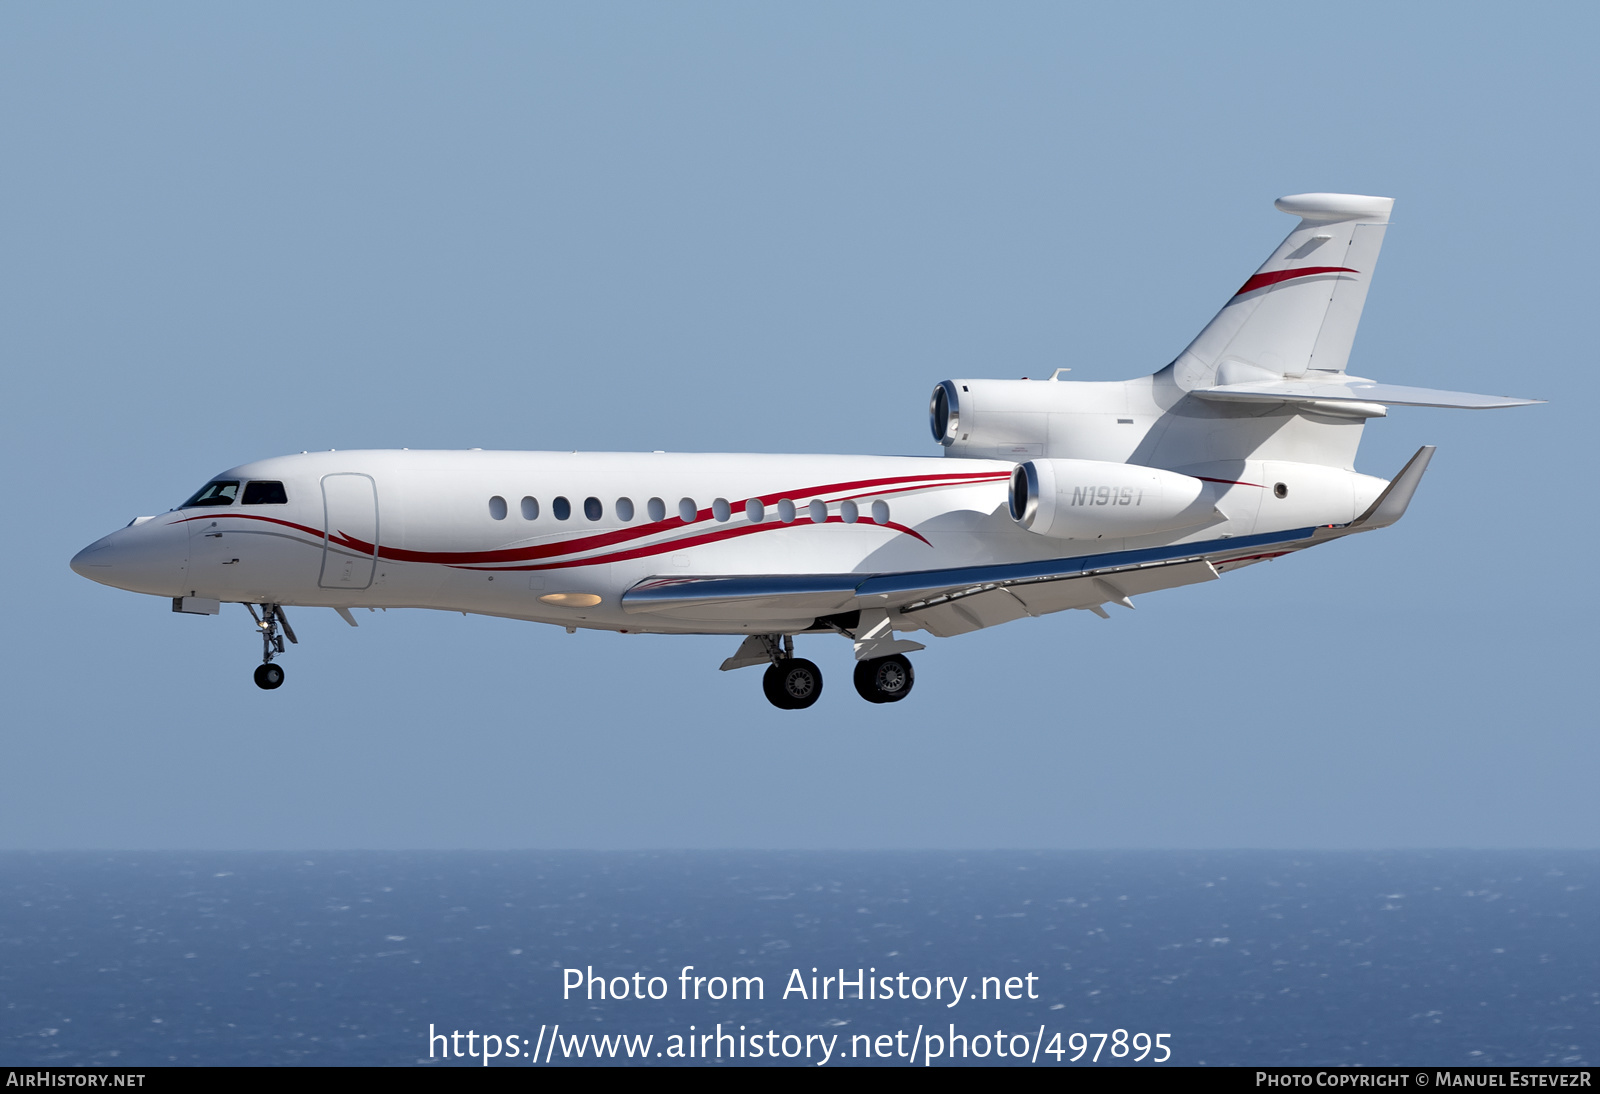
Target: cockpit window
point(265, 493)
point(214, 493)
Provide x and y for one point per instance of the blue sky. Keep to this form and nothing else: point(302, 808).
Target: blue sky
point(238, 231)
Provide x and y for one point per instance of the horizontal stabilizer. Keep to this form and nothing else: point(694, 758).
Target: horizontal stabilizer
point(1353, 389)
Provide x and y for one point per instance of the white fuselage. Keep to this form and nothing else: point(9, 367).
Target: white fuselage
point(483, 532)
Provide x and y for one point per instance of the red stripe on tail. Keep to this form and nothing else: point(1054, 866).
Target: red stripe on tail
point(1262, 280)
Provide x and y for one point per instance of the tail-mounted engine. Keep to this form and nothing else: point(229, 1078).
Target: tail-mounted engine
point(1090, 499)
point(1013, 414)
point(1015, 419)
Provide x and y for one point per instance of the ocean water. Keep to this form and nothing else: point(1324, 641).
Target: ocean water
point(349, 958)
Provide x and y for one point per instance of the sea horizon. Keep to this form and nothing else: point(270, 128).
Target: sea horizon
point(1428, 957)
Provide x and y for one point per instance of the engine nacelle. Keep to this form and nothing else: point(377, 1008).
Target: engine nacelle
point(1000, 418)
point(1091, 499)
point(1017, 419)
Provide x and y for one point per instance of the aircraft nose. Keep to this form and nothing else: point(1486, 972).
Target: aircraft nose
point(148, 556)
point(93, 561)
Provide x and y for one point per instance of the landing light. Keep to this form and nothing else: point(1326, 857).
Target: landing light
point(571, 600)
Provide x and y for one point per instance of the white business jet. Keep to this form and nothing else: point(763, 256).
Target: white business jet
point(1051, 495)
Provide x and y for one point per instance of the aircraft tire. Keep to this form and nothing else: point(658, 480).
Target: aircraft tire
point(884, 679)
point(769, 687)
point(863, 682)
point(269, 676)
point(792, 684)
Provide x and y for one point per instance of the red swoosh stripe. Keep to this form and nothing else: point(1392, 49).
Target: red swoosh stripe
point(625, 535)
point(1277, 277)
point(679, 544)
point(480, 559)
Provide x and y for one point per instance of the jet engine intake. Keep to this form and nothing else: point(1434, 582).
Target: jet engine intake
point(944, 413)
point(1013, 413)
point(1092, 499)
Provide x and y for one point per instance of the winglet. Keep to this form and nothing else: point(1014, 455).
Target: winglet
point(1391, 504)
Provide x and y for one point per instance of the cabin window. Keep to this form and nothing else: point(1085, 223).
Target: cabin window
point(497, 507)
point(530, 508)
point(849, 511)
point(265, 493)
point(562, 508)
point(880, 512)
point(214, 493)
point(624, 509)
point(786, 510)
point(593, 509)
point(721, 509)
point(687, 510)
point(819, 512)
point(754, 511)
point(656, 508)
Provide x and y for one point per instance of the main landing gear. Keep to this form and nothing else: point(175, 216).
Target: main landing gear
point(884, 679)
point(793, 683)
point(790, 683)
point(274, 627)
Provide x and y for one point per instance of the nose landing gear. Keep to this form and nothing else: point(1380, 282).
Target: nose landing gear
point(270, 622)
point(269, 676)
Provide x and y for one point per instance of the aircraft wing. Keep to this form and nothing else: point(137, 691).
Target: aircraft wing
point(967, 598)
point(952, 601)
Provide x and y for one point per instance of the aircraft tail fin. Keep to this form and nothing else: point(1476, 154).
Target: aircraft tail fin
point(1296, 316)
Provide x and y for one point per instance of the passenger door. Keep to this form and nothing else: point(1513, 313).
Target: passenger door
point(350, 531)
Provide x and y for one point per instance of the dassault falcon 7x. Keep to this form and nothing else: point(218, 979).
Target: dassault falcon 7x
point(1049, 495)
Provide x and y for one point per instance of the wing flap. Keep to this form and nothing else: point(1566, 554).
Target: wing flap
point(984, 608)
point(915, 586)
point(964, 610)
point(1085, 592)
